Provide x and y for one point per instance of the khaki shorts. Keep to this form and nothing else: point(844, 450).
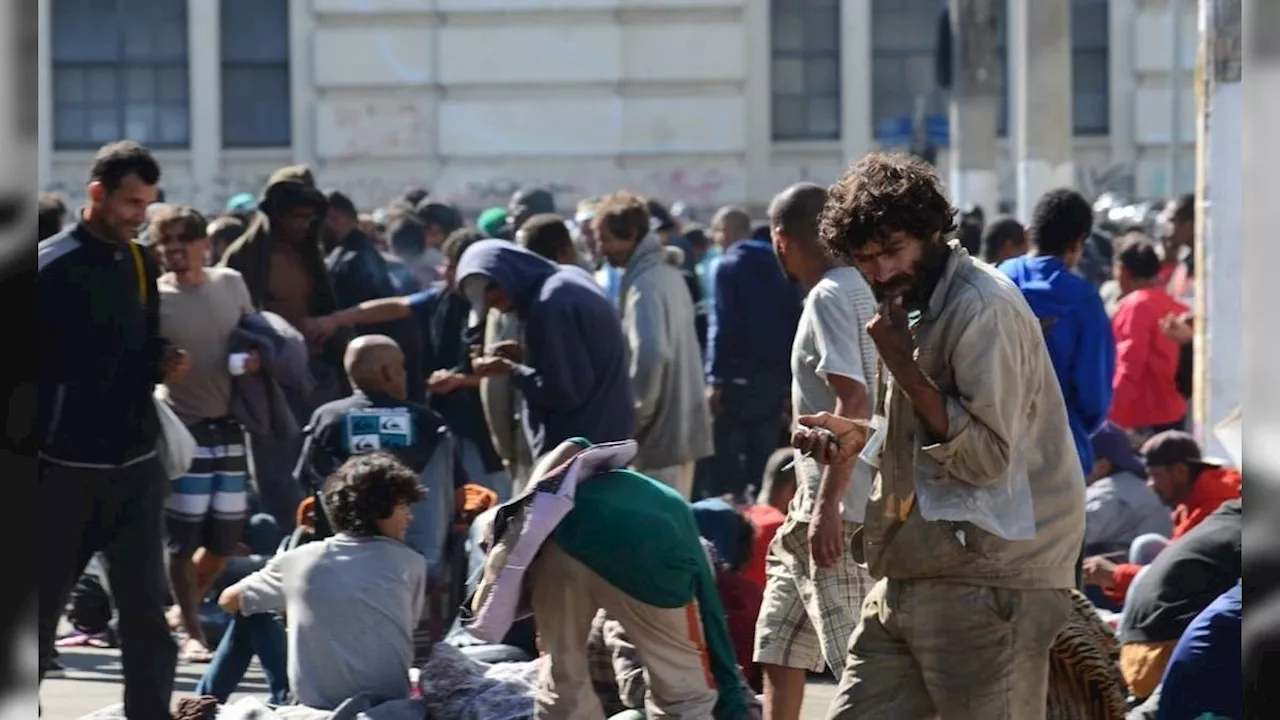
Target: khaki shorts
point(808, 613)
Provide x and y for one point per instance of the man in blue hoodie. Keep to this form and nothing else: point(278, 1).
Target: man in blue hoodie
point(1077, 330)
point(572, 369)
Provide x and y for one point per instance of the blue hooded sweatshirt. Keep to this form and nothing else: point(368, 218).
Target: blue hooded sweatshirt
point(1078, 334)
point(574, 377)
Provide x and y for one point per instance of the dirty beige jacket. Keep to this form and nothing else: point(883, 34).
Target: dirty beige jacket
point(673, 421)
point(981, 345)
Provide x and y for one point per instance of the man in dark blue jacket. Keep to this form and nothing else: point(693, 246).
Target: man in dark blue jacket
point(360, 272)
point(1077, 330)
point(753, 321)
point(572, 370)
point(100, 355)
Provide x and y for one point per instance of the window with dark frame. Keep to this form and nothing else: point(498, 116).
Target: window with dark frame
point(903, 37)
point(120, 72)
point(255, 74)
point(805, 73)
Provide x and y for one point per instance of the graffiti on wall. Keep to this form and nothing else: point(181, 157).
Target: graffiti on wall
point(394, 128)
point(703, 186)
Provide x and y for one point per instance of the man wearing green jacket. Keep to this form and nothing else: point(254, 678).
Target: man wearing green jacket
point(630, 546)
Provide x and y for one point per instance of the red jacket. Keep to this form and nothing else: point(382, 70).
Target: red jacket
point(1212, 487)
point(1144, 388)
point(742, 600)
point(766, 519)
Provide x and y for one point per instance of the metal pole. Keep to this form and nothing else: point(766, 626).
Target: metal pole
point(975, 101)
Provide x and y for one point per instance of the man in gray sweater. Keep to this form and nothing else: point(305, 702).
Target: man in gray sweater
point(351, 601)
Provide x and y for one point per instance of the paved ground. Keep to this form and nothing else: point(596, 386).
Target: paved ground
point(93, 682)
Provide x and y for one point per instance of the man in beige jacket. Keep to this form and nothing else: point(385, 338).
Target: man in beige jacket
point(673, 422)
point(960, 620)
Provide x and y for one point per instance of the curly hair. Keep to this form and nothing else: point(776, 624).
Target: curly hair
point(367, 488)
point(881, 194)
point(625, 214)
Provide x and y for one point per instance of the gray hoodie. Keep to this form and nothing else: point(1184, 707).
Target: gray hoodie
point(673, 422)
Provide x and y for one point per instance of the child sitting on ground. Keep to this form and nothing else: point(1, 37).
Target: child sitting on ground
point(351, 601)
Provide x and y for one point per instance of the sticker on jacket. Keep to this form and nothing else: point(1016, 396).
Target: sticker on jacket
point(373, 429)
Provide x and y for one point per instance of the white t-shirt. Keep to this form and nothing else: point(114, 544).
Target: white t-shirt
point(830, 340)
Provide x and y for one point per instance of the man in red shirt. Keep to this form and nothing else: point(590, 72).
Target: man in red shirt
point(1145, 397)
point(1185, 481)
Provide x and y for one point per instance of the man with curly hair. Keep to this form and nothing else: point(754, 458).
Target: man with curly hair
point(352, 600)
point(965, 606)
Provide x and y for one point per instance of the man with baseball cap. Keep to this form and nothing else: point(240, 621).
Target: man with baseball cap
point(1118, 504)
point(1193, 485)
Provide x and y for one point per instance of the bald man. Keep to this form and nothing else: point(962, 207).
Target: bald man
point(377, 416)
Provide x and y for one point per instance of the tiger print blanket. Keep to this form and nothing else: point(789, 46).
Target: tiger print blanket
point(1084, 668)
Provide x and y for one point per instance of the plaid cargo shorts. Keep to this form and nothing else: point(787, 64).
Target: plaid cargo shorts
point(808, 613)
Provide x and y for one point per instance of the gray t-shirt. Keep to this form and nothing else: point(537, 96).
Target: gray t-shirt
point(351, 605)
point(200, 320)
point(830, 340)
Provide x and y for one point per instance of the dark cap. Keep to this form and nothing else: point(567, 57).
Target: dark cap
point(527, 203)
point(1111, 443)
point(1172, 447)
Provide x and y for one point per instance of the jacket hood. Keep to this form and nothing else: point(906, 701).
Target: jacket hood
point(516, 270)
point(1051, 289)
point(292, 185)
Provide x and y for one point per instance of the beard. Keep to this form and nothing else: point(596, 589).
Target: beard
point(916, 286)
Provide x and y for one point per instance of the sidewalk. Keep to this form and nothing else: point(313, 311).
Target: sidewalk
point(93, 682)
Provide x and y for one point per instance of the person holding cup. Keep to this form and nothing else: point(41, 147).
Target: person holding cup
point(200, 308)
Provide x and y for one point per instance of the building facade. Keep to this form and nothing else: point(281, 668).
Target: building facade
point(706, 101)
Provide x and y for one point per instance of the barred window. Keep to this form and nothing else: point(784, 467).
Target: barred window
point(805, 75)
point(120, 71)
point(255, 73)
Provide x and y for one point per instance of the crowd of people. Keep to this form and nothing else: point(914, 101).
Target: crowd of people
point(620, 464)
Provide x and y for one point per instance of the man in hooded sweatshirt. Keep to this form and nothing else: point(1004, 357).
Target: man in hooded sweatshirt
point(572, 367)
point(1077, 331)
point(280, 258)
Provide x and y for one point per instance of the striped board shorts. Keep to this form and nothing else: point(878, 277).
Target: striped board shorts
point(208, 506)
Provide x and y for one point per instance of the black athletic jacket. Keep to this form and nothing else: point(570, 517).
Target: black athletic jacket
point(98, 350)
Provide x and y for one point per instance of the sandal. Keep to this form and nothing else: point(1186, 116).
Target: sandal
point(193, 651)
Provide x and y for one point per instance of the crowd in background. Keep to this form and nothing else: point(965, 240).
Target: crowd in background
point(368, 388)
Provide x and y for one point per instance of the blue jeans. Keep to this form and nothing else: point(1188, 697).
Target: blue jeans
point(262, 635)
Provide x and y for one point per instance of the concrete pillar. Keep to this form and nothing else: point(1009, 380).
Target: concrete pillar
point(302, 93)
point(757, 92)
point(1040, 71)
point(975, 103)
point(204, 67)
point(44, 83)
point(1219, 248)
point(857, 136)
point(1122, 83)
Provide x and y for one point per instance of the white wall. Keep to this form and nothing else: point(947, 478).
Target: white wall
point(473, 98)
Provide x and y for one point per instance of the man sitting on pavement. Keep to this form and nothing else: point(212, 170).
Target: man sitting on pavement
point(1194, 486)
point(352, 600)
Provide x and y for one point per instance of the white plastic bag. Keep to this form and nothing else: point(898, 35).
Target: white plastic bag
point(1003, 508)
point(864, 474)
point(176, 447)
